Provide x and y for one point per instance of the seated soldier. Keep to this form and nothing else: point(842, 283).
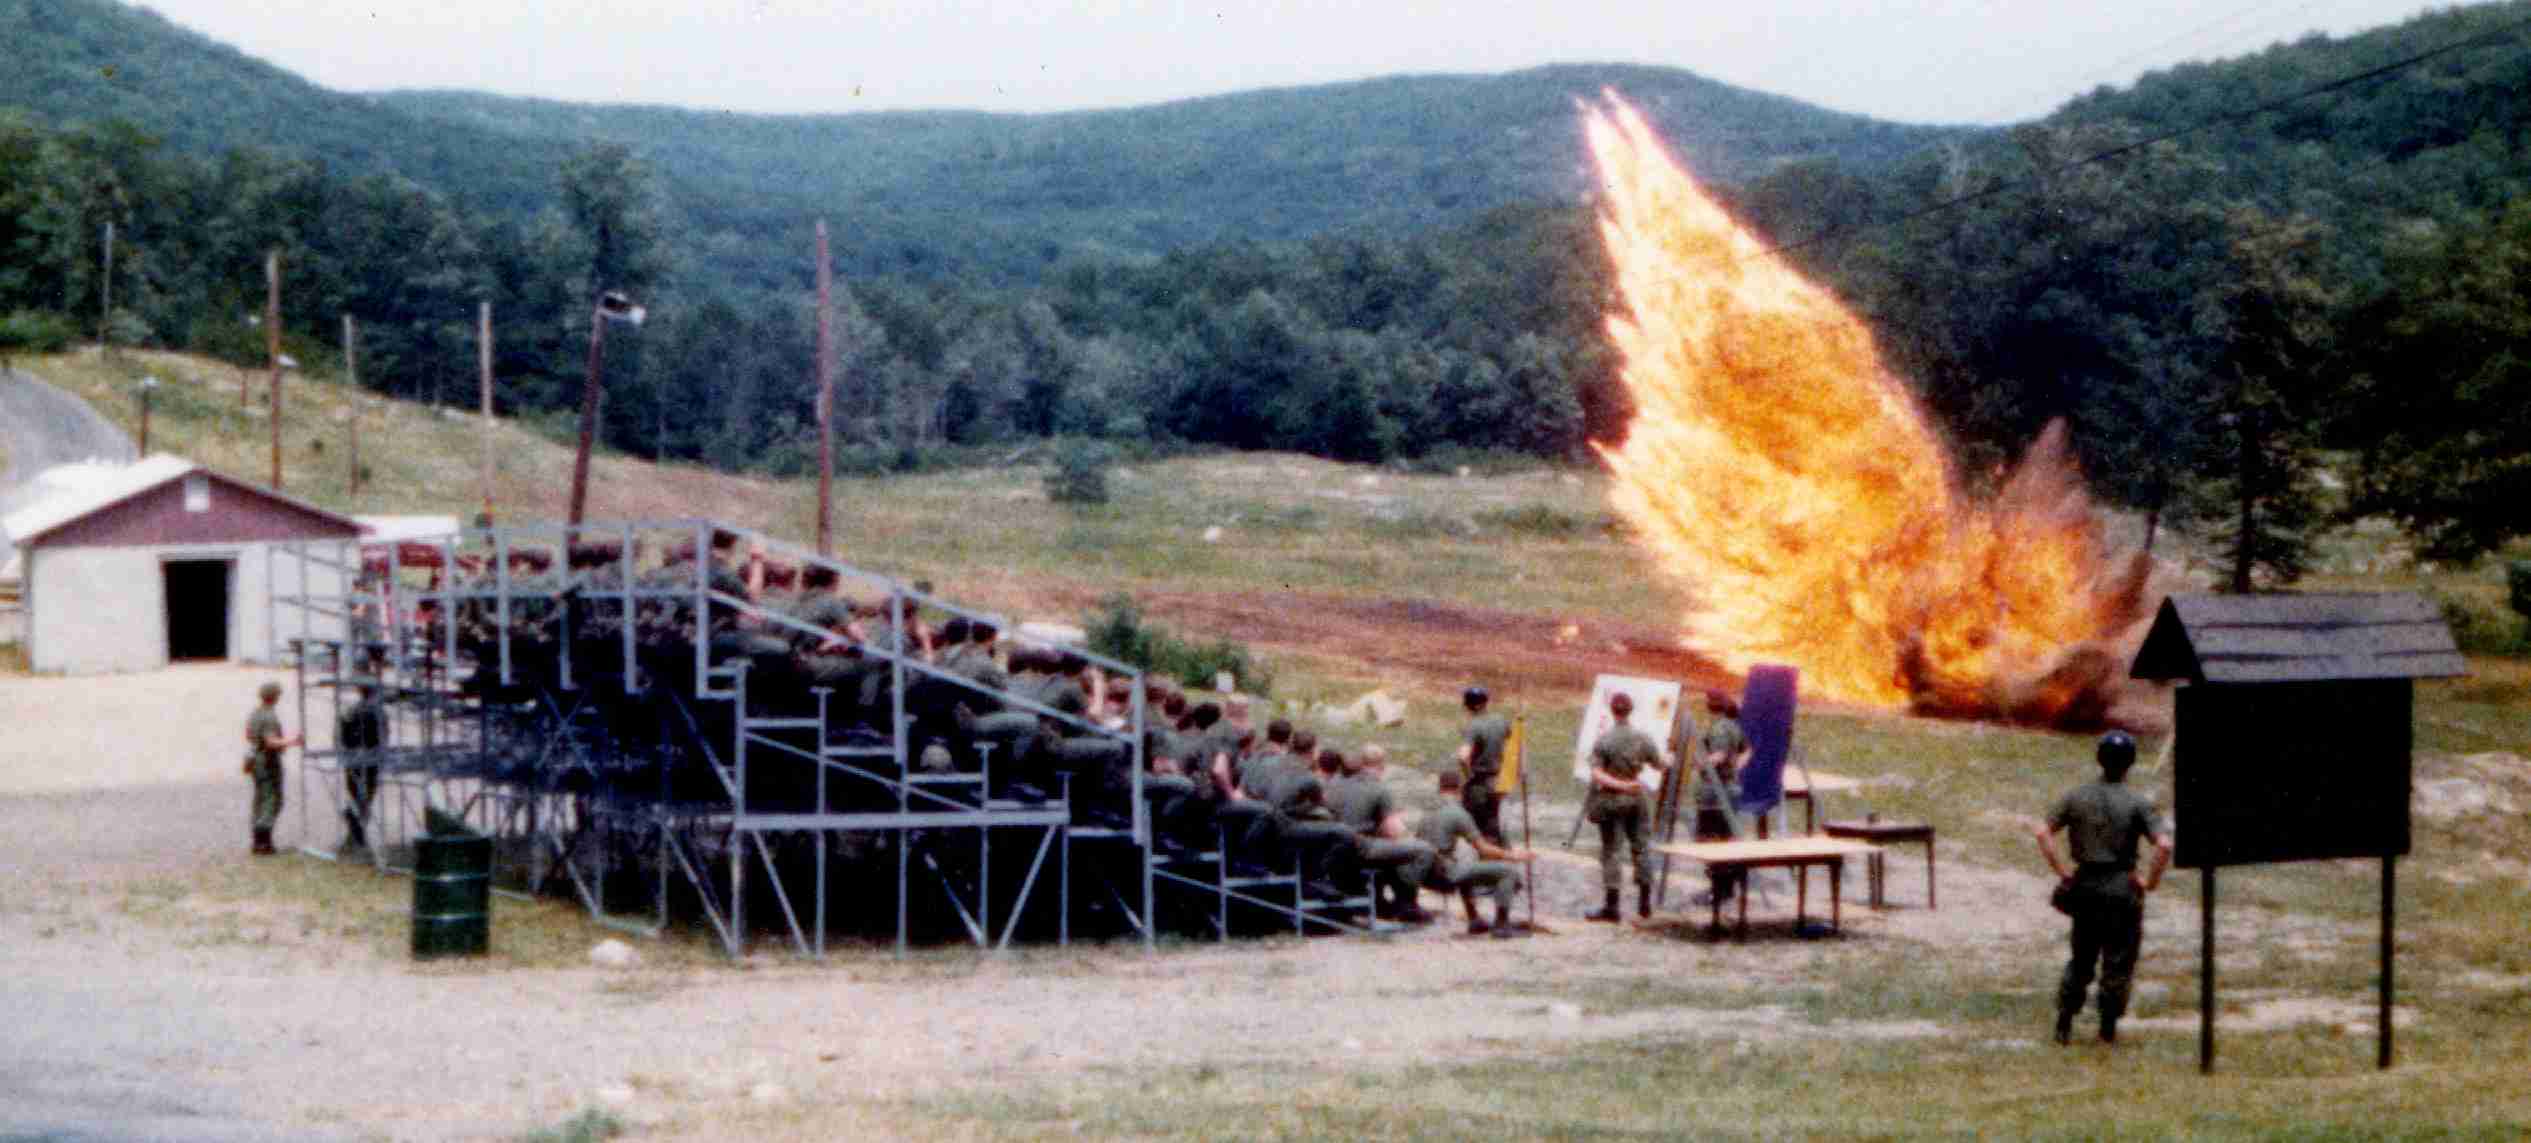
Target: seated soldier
point(1496, 871)
point(1362, 803)
point(1298, 826)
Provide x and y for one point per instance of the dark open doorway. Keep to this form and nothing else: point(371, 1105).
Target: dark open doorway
point(198, 608)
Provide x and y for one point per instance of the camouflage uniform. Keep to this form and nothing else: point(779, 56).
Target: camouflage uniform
point(2104, 822)
point(1361, 803)
point(264, 766)
point(1486, 735)
point(1623, 752)
point(1443, 829)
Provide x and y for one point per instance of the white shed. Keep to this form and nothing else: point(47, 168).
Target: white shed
point(165, 562)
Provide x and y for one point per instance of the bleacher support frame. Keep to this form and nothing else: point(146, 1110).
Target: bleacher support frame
point(586, 773)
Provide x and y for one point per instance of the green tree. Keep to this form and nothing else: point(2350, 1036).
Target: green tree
point(2260, 498)
point(2441, 415)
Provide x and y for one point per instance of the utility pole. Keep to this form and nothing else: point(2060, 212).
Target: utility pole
point(149, 388)
point(825, 395)
point(105, 292)
point(351, 378)
point(272, 345)
point(483, 368)
point(610, 305)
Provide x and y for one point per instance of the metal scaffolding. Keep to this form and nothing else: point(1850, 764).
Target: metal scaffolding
point(665, 744)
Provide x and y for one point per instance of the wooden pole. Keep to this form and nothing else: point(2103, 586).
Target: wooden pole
point(272, 346)
point(825, 395)
point(2390, 896)
point(1529, 869)
point(483, 370)
point(351, 378)
point(2206, 970)
point(588, 416)
point(105, 292)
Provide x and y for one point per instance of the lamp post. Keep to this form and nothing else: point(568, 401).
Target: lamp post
point(147, 387)
point(612, 306)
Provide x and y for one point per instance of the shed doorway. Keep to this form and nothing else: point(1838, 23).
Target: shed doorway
point(198, 608)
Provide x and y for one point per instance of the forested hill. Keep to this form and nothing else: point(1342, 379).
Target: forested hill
point(1015, 193)
point(99, 61)
point(938, 194)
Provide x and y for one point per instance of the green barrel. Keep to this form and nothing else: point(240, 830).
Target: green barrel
point(452, 895)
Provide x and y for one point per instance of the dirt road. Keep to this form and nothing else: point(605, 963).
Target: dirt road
point(140, 1007)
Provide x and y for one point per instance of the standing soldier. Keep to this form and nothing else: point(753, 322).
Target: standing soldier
point(1620, 804)
point(1480, 760)
point(1720, 753)
point(2103, 822)
point(357, 736)
point(264, 744)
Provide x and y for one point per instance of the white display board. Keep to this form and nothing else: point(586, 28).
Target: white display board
point(1656, 705)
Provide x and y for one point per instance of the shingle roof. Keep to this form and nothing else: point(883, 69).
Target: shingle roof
point(29, 524)
point(2298, 638)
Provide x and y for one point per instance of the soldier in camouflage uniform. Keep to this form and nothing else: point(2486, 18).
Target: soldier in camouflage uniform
point(1621, 805)
point(1362, 802)
point(264, 744)
point(358, 735)
point(1721, 751)
point(2104, 822)
point(1496, 872)
point(1480, 760)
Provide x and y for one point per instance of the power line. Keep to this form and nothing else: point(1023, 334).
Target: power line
point(2341, 83)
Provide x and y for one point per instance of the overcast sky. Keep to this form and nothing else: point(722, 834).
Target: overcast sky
point(1916, 60)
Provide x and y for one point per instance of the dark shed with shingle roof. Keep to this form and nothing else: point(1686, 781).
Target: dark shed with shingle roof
point(2294, 726)
point(2295, 720)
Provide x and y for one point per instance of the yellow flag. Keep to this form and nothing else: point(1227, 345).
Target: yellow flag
point(1507, 780)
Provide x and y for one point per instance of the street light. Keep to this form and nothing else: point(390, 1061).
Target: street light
point(612, 306)
point(148, 386)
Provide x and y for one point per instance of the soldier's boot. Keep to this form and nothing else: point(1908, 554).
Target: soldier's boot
point(263, 843)
point(2108, 1027)
point(354, 837)
point(1643, 901)
point(1467, 904)
point(1504, 929)
point(2064, 1025)
point(1608, 910)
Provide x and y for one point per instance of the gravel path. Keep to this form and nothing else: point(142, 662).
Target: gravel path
point(42, 426)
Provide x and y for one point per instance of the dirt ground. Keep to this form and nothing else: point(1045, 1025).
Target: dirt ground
point(125, 1025)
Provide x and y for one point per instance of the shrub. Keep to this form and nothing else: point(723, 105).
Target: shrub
point(2480, 629)
point(1079, 475)
point(32, 332)
point(2518, 587)
point(1119, 632)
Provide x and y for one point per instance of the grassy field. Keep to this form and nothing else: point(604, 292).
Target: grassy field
point(1902, 1040)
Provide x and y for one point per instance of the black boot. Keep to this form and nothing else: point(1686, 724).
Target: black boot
point(1643, 901)
point(2108, 1028)
point(1504, 929)
point(1607, 911)
point(2064, 1026)
point(263, 843)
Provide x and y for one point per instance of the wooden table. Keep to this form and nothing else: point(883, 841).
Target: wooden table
point(1799, 853)
point(1883, 833)
point(1802, 784)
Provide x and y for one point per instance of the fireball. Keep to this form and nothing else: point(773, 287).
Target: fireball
point(1799, 494)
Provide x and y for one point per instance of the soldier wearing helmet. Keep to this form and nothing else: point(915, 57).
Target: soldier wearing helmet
point(264, 744)
point(1480, 761)
point(2102, 890)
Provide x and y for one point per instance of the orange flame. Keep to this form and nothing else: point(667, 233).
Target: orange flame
point(1794, 486)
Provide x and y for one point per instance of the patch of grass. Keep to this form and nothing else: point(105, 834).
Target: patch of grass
point(587, 1127)
point(1539, 521)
